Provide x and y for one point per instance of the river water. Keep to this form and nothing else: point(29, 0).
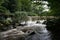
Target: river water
point(41, 33)
point(39, 29)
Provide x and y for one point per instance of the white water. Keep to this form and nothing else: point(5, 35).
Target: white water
point(41, 33)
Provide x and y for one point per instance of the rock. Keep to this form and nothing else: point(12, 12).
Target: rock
point(13, 35)
point(32, 33)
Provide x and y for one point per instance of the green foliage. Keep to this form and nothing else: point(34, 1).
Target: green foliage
point(8, 21)
point(25, 5)
point(55, 7)
point(3, 10)
point(10, 5)
point(1, 1)
point(21, 16)
point(17, 5)
point(37, 7)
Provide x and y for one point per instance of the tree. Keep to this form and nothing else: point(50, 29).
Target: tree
point(1, 1)
point(55, 7)
point(25, 5)
point(10, 5)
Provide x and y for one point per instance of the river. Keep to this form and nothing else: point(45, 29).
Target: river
point(39, 32)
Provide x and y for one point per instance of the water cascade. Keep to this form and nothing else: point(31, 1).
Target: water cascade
point(32, 31)
point(41, 33)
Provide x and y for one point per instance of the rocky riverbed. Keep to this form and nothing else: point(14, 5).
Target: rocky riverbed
point(30, 32)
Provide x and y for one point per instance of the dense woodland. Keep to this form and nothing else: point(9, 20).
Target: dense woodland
point(13, 12)
point(17, 10)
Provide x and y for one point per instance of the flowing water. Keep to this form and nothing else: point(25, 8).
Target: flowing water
point(40, 31)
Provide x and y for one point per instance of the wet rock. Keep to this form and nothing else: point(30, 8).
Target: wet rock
point(13, 35)
point(32, 33)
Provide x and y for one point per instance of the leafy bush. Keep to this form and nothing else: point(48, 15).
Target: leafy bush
point(4, 15)
point(21, 16)
point(4, 11)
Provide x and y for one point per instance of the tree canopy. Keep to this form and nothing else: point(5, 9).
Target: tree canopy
point(20, 9)
point(55, 7)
